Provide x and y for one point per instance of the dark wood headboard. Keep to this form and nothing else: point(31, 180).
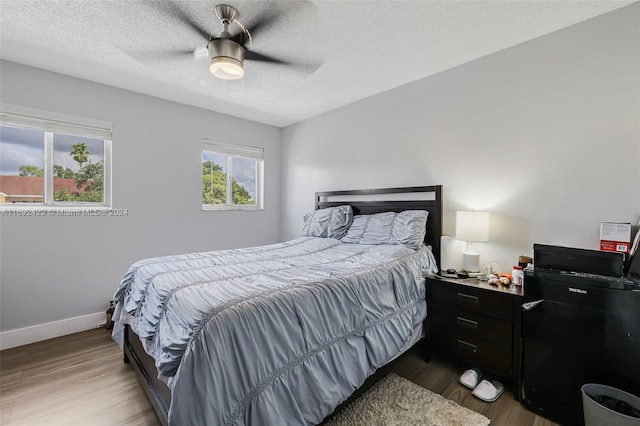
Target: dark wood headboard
point(370, 201)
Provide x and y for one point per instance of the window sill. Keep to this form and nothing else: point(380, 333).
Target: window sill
point(209, 208)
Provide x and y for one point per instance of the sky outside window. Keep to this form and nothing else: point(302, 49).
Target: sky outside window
point(244, 171)
point(20, 147)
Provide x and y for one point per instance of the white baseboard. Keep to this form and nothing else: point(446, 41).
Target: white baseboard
point(37, 333)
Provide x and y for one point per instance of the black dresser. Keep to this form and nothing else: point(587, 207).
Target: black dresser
point(477, 324)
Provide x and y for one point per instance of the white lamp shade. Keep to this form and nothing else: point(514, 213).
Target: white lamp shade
point(472, 226)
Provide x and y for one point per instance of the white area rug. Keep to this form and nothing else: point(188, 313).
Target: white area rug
point(395, 401)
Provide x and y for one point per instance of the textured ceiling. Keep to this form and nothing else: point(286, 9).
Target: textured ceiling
point(354, 49)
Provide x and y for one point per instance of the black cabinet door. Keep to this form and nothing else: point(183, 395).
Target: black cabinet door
point(566, 346)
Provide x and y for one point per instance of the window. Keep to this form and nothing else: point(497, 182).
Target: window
point(53, 163)
point(231, 177)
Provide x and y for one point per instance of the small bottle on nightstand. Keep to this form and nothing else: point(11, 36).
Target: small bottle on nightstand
point(517, 275)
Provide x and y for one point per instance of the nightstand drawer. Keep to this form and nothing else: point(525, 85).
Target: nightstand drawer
point(474, 338)
point(472, 299)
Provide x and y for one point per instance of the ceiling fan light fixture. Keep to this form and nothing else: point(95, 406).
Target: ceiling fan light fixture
point(226, 68)
point(227, 59)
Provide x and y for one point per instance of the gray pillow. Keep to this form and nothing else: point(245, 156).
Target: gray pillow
point(331, 222)
point(407, 228)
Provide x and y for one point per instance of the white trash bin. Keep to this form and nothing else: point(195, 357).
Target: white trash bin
point(596, 414)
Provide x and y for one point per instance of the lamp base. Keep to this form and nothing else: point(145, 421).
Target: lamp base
point(471, 262)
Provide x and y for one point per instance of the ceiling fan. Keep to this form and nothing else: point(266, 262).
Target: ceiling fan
point(226, 55)
point(228, 52)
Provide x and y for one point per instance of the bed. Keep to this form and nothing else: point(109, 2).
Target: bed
point(283, 333)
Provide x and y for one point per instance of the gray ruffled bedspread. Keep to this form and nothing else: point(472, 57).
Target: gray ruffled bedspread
point(272, 335)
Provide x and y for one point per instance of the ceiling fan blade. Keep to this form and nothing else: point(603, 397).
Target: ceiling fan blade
point(307, 68)
point(255, 27)
point(184, 17)
point(275, 11)
point(161, 55)
point(254, 56)
point(175, 10)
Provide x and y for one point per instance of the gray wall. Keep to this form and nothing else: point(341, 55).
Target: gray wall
point(55, 268)
point(544, 135)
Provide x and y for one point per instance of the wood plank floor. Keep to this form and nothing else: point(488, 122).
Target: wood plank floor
point(441, 376)
point(81, 380)
point(78, 379)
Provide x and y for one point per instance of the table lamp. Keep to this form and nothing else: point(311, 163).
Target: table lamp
point(472, 227)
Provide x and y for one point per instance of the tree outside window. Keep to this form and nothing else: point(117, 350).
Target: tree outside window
point(230, 177)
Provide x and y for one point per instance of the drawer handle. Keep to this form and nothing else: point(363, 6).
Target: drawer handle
point(467, 323)
point(468, 298)
point(468, 346)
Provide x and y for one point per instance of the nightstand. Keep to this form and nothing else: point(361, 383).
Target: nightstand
point(477, 324)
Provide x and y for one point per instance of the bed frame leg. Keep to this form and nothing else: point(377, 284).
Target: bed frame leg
point(426, 349)
point(125, 357)
point(425, 352)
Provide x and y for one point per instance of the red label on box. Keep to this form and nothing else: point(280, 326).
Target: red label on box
point(618, 246)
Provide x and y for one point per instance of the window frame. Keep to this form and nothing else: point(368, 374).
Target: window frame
point(51, 123)
point(236, 151)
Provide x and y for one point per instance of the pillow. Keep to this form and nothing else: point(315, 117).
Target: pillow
point(331, 222)
point(407, 228)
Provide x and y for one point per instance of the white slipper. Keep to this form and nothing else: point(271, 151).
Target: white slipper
point(488, 391)
point(470, 378)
